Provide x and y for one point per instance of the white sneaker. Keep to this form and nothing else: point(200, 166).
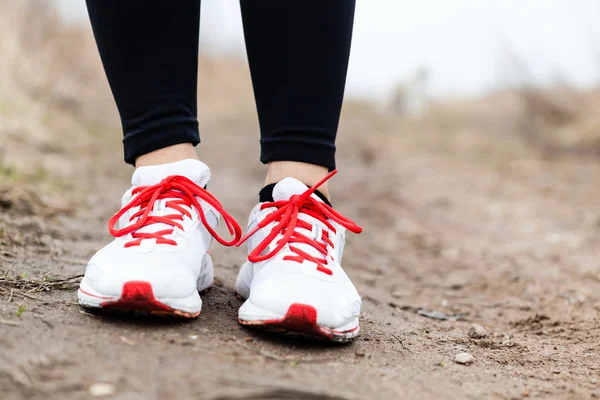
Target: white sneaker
point(293, 280)
point(159, 259)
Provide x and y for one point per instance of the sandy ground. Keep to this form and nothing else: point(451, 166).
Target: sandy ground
point(472, 224)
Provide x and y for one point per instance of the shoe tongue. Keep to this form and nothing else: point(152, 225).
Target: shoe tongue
point(288, 187)
point(194, 170)
point(284, 190)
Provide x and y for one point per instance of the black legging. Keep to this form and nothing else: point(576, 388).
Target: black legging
point(298, 54)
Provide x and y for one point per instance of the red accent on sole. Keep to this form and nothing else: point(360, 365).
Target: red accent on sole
point(300, 318)
point(138, 296)
point(96, 296)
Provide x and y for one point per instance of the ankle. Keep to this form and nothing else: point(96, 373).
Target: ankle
point(309, 174)
point(169, 154)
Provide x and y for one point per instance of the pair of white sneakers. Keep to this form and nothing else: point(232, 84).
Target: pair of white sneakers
point(158, 263)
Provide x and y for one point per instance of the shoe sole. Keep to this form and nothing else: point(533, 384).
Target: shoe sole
point(302, 319)
point(136, 296)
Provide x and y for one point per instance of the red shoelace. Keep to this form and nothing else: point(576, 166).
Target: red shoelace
point(182, 192)
point(287, 216)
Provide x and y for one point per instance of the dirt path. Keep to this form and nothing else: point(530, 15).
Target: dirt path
point(473, 225)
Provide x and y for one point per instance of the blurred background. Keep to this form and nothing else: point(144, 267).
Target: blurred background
point(467, 46)
point(540, 59)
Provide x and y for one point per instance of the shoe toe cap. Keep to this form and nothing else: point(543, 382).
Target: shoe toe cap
point(166, 282)
point(336, 306)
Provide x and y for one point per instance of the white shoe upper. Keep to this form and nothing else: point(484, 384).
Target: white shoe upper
point(166, 225)
point(164, 230)
point(306, 269)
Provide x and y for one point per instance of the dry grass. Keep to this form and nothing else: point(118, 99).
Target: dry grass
point(25, 286)
point(562, 122)
point(30, 285)
point(557, 123)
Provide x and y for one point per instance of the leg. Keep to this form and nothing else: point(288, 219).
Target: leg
point(298, 53)
point(159, 259)
point(292, 281)
point(150, 54)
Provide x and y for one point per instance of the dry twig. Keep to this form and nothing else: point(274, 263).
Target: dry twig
point(24, 285)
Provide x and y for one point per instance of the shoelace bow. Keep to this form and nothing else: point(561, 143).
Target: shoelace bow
point(287, 215)
point(185, 192)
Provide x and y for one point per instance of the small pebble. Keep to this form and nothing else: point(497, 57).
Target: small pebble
point(501, 335)
point(127, 341)
point(101, 389)
point(477, 332)
point(193, 337)
point(360, 353)
point(508, 343)
point(464, 358)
